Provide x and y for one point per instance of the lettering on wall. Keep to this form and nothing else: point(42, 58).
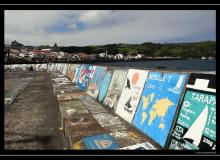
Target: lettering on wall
point(195, 128)
point(158, 104)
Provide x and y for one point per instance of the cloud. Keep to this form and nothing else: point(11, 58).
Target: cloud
point(95, 17)
point(104, 27)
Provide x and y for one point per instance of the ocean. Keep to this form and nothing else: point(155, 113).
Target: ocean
point(190, 64)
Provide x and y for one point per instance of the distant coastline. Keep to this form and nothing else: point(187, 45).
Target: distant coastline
point(172, 64)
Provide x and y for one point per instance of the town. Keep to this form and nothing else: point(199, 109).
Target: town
point(18, 53)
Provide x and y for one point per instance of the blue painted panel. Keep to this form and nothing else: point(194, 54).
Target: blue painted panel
point(96, 81)
point(84, 77)
point(100, 142)
point(158, 104)
point(104, 87)
point(78, 71)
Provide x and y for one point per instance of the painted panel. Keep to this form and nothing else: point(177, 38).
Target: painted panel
point(75, 133)
point(77, 73)
point(115, 88)
point(106, 119)
point(142, 146)
point(64, 69)
point(116, 128)
point(69, 96)
point(127, 138)
point(72, 107)
point(84, 77)
point(78, 145)
point(96, 81)
point(67, 70)
point(95, 108)
point(65, 89)
point(158, 104)
point(131, 93)
point(71, 71)
point(195, 128)
point(105, 84)
point(103, 142)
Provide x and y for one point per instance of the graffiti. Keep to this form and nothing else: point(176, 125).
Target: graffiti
point(77, 132)
point(158, 104)
point(142, 146)
point(127, 138)
point(131, 93)
point(195, 128)
point(116, 128)
point(115, 88)
point(104, 141)
point(84, 77)
point(104, 86)
point(69, 96)
point(64, 89)
point(95, 108)
point(106, 119)
point(72, 107)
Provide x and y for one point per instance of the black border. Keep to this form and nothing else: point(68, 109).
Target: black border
point(100, 7)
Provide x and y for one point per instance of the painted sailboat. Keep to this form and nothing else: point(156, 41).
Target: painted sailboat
point(195, 131)
point(178, 85)
point(102, 144)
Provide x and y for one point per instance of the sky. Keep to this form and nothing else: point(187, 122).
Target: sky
point(98, 27)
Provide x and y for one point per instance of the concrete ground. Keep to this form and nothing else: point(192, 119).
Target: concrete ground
point(31, 121)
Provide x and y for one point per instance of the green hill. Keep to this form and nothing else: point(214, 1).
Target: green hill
point(183, 50)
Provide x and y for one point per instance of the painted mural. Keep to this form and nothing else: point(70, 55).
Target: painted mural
point(131, 93)
point(64, 69)
point(105, 84)
point(71, 72)
point(142, 146)
point(96, 81)
point(84, 77)
point(77, 73)
point(195, 128)
point(100, 142)
point(158, 104)
point(115, 88)
point(68, 69)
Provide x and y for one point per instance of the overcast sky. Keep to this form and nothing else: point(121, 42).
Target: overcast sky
point(94, 27)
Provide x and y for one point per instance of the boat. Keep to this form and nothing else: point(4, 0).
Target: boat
point(196, 130)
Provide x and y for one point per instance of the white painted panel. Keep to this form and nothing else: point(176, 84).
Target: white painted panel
point(131, 93)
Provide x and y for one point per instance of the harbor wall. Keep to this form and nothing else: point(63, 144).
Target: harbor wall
point(164, 105)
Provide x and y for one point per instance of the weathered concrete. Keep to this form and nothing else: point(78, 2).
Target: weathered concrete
point(32, 120)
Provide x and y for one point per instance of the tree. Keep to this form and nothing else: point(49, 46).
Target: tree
point(16, 45)
point(55, 47)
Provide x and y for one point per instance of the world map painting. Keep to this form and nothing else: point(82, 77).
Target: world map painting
point(158, 104)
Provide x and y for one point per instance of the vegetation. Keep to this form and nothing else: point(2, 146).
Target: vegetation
point(183, 50)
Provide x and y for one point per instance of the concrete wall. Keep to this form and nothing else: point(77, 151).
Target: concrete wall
point(177, 110)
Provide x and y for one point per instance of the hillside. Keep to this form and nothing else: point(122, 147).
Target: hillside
point(184, 50)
